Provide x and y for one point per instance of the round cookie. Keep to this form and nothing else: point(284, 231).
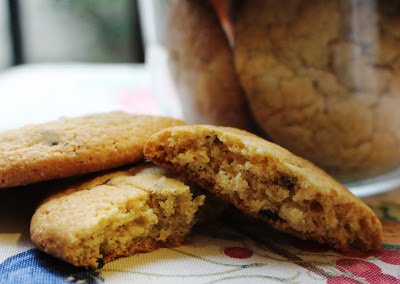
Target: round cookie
point(268, 182)
point(202, 65)
point(319, 85)
point(75, 146)
point(115, 214)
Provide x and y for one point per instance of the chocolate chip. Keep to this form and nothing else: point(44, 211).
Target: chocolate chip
point(288, 182)
point(217, 141)
point(49, 137)
point(100, 263)
point(270, 215)
point(315, 206)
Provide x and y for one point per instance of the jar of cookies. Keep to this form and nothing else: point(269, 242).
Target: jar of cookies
point(319, 77)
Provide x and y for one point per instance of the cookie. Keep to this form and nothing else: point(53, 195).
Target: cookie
point(202, 66)
point(268, 182)
point(75, 146)
point(114, 215)
point(322, 82)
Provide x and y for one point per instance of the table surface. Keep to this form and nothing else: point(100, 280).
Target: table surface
point(217, 254)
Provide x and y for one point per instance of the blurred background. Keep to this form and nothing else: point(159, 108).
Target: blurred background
point(75, 57)
point(69, 30)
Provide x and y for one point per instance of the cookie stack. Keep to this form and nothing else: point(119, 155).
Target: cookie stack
point(140, 206)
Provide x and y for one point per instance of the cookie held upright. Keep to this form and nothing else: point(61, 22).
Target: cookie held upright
point(202, 65)
point(75, 146)
point(268, 182)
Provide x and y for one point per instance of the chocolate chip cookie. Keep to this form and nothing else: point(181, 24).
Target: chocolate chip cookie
point(75, 146)
point(116, 214)
point(202, 66)
point(268, 182)
point(323, 83)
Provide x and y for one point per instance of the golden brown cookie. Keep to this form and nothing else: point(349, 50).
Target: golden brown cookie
point(323, 83)
point(202, 66)
point(268, 182)
point(74, 146)
point(114, 215)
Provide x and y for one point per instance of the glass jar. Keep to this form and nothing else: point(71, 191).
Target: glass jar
point(320, 78)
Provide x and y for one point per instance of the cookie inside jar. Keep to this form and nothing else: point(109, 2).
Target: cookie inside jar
point(319, 77)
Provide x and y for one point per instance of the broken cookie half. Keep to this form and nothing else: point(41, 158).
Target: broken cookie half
point(268, 182)
point(115, 214)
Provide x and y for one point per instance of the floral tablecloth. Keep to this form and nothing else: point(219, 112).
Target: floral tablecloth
point(215, 253)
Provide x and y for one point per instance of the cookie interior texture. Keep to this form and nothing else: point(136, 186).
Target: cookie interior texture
point(75, 146)
point(268, 182)
point(114, 215)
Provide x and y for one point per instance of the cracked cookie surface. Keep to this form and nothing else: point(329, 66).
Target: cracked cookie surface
point(75, 146)
point(322, 86)
point(268, 182)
